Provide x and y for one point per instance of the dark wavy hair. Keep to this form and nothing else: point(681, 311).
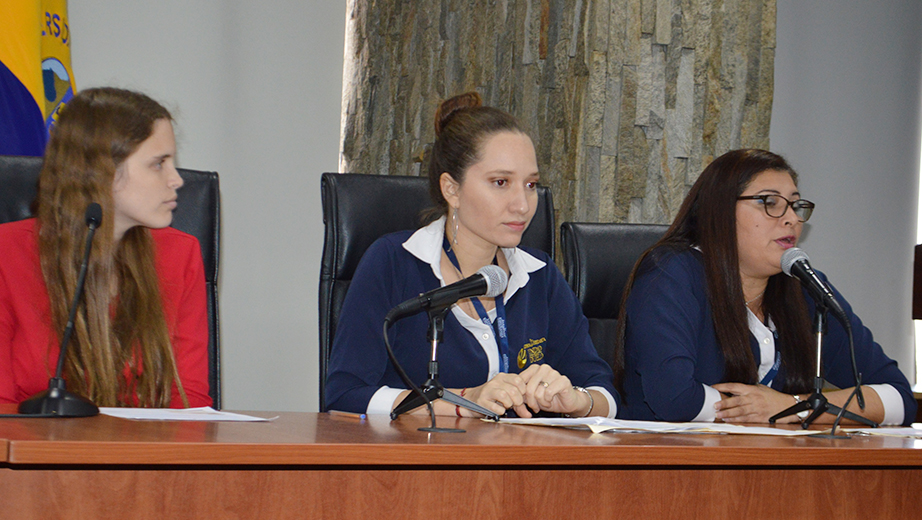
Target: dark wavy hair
point(707, 220)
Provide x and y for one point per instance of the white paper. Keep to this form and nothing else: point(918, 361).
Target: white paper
point(205, 413)
point(915, 433)
point(603, 424)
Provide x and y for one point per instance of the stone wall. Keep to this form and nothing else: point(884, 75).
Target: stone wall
point(626, 100)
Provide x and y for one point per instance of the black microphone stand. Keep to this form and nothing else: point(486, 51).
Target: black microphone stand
point(432, 389)
point(817, 401)
point(57, 401)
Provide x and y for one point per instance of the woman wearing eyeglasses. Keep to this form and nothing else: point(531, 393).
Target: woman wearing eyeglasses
point(711, 329)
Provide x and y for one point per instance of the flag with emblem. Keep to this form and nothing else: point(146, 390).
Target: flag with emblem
point(36, 79)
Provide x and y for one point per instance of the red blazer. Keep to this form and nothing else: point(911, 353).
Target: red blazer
point(29, 347)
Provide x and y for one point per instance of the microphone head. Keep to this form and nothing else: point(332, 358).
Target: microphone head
point(93, 214)
point(792, 256)
point(496, 279)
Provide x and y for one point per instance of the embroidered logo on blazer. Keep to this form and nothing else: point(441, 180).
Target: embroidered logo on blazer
point(531, 352)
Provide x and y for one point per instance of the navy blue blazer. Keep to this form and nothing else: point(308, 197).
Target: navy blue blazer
point(671, 348)
point(545, 324)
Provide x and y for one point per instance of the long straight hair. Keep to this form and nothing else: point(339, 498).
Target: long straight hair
point(120, 354)
point(707, 220)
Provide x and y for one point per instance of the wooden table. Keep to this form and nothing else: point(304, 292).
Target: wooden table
point(309, 465)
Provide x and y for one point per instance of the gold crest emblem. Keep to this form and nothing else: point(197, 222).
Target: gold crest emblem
point(531, 352)
point(522, 358)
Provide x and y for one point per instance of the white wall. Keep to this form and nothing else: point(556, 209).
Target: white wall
point(256, 89)
point(846, 115)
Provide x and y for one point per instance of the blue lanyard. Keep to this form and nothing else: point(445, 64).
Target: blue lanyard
point(773, 371)
point(499, 326)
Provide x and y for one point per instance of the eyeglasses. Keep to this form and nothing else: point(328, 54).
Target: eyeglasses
point(776, 206)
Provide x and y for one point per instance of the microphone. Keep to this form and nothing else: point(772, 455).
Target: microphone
point(796, 263)
point(489, 281)
point(57, 401)
point(93, 217)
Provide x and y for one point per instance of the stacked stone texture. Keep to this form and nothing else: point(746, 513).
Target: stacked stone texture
point(626, 100)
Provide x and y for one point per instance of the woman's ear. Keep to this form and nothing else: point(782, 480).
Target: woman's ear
point(450, 189)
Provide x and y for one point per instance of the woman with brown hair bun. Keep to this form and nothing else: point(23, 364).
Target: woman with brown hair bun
point(527, 350)
point(711, 329)
point(141, 331)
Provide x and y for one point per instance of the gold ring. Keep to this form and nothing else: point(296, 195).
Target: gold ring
point(544, 384)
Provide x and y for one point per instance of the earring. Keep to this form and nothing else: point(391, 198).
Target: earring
point(454, 223)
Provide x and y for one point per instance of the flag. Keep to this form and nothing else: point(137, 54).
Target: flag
point(36, 79)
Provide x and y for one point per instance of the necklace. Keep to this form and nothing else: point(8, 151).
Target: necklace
point(756, 298)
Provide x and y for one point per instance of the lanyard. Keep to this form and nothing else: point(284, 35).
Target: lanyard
point(773, 371)
point(499, 326)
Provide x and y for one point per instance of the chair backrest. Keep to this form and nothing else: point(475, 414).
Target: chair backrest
point(598, 259)
point(198, 213)
point(357, 210)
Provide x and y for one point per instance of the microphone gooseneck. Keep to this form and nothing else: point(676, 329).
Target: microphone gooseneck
point(93, 219)
point(57, 401)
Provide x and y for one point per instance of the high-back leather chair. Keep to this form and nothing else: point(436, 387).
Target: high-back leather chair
point(598, 259)
point(357, 210)
point(198, 213)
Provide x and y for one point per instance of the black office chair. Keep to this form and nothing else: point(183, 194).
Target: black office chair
point(598, 259)
point(357, 210)
point(198, 213)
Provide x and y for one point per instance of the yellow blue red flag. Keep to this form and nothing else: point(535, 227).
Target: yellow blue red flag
point(36, 79)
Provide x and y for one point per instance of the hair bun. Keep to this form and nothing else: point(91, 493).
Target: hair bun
point(452, 106)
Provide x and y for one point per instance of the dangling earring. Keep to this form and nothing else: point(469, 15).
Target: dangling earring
point(454, 223)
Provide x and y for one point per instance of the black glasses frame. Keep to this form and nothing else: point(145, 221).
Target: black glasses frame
point(799, 206)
